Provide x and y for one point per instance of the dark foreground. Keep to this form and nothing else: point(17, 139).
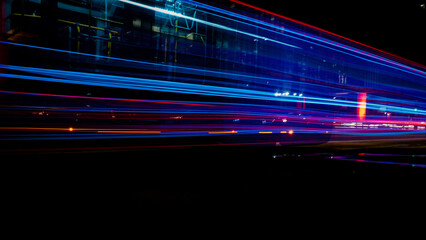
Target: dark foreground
point(142, 185)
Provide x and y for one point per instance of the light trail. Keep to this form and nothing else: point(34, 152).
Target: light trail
point(330, 44)
point(191, 70)
point(249, 82)
point(325, 31)
point(215, 25)
point(187, 88)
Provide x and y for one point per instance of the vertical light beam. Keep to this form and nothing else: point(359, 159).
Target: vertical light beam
point(362, 105)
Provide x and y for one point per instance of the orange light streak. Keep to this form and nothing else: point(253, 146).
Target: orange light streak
point(127, 131)
point(223, 132)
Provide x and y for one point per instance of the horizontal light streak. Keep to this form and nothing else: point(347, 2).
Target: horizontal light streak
point(378, 162)
point(223, 132)
point(200, 101)
point(127, 131)
point(187, 88)
point(150, 134)
point(72, 129)
point(183, 69)
point(68, 129)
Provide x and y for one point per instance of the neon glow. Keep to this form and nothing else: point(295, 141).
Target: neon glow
point(228, 78)
point(362, 105)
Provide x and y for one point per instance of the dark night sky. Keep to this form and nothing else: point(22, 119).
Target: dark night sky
point(398, 26)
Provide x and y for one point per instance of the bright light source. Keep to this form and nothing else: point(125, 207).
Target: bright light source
point(70, 129)
point(290, 132)
point(300, 95)
point(362, 105)
point(294, 94)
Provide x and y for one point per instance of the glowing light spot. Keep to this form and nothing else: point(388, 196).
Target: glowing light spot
point(70, 129)
point(291, 132)
point(362, 105)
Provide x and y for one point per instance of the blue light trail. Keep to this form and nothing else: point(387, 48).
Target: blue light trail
point(236, 80)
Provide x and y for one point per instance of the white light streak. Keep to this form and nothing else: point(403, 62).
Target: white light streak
point(215, 25)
